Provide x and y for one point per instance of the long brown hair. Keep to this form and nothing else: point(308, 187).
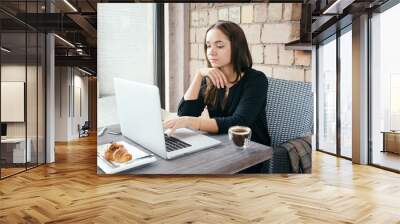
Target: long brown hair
point(240, 58)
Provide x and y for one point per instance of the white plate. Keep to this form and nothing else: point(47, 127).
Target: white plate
point(137, 155)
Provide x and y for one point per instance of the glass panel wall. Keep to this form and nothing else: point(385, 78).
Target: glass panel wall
point(31, 100)
point(41, 87)
point(22, 92)
point(385, 89)
point(33, 64)
point(346, 93)
point(334, 64)
point(13, 87)
point(327, 96)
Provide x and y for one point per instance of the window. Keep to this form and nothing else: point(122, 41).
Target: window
point(125, 47)
point(125, 44)
point(334, 64)
point(394, 101)
point(327, 96)
point(346, 93)
point(385, 84)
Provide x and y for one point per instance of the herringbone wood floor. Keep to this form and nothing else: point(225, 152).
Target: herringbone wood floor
point(70, 191)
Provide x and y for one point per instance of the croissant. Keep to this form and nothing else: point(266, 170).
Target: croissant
point(122, 155)
point(118, 153)
point(108, 155)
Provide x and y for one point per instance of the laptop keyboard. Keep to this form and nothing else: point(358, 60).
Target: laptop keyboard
point(174, 143)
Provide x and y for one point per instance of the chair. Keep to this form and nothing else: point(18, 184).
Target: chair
point(289, 115)
point(84, 130)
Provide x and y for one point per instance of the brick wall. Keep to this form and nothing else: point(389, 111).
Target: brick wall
point(268, 26)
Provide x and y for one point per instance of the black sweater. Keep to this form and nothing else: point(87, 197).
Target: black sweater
point(245, 106)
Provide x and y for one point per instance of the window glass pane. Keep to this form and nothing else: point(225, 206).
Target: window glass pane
point(41, 98)
point(125, 46)
point(13, 86)
point(385, 87)
point(346, 94)
point(22, 87)
point(327, 97)
point(31, 98)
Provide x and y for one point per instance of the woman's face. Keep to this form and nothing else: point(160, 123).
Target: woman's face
point(218, 48)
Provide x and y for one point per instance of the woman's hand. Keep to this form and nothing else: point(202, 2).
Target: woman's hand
point(181, 122)
point(216, 76)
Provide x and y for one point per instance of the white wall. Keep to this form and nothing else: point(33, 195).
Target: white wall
point(124, 44)
point(12, 101)
point(79, 117)
point(33, 126)
point(11, 73)
point(61, 103)
point(67, 117)
point(14, 73)
point(82, 82)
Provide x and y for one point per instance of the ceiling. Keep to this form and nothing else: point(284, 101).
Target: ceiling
point(73, 20)
point(328, 16)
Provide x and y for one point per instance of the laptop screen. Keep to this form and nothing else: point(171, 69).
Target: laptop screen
point(3, 129)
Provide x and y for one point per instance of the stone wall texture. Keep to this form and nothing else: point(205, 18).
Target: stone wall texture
point(268, 26)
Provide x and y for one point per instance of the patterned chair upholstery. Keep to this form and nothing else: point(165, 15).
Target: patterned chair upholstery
point(289, 115)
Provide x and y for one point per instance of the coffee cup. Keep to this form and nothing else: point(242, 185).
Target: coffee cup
point(240, 136)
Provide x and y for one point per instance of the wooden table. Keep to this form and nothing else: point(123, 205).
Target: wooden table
point(221, 159)
point(391, 141)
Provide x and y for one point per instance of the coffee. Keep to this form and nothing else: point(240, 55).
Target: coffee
point(240, 136)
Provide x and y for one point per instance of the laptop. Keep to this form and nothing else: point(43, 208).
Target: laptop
point(139, 112)
point(3, 131)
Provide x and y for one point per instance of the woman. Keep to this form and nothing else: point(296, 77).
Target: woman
point(234, 93)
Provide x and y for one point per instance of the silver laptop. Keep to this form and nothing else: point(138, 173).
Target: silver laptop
point(139, 113)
